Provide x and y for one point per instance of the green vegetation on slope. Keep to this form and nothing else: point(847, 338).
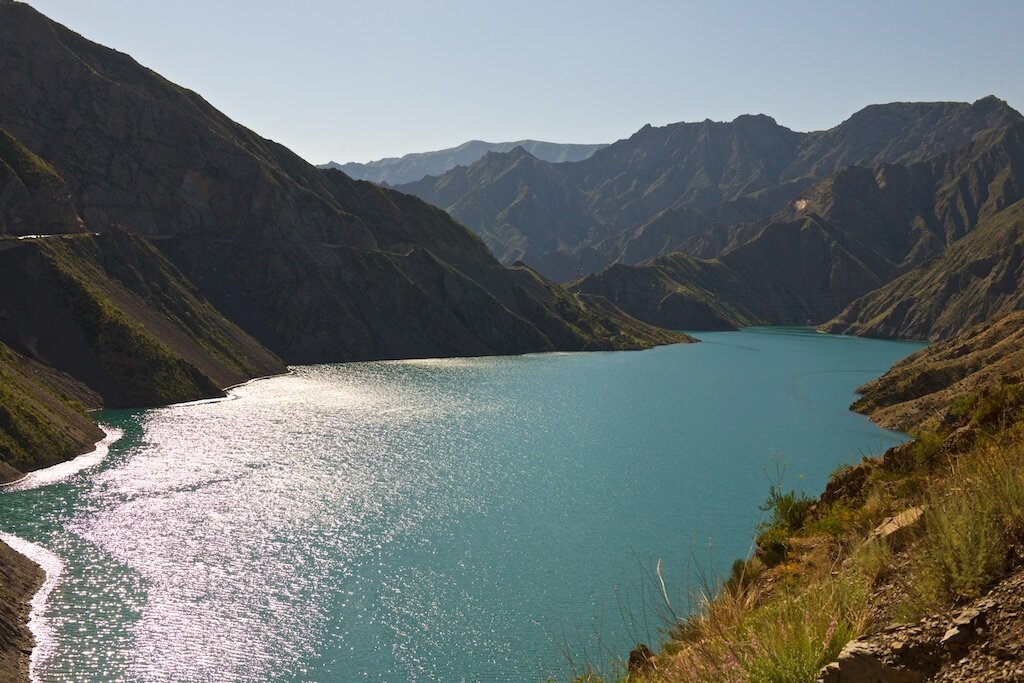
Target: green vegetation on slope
point(316, 266)
point(33, 196)
point(32, 170)
point(111, 312)
point(42, 416)
point(932, 524)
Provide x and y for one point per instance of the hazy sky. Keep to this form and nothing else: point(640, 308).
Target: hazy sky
point(354, 81)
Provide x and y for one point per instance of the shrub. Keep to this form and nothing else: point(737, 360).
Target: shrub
point(963, 550)
point(789, 510)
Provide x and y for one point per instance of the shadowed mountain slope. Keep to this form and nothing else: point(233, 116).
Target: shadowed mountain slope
point(42, 416)
point(853, 232)
point(114, 314)
point(316, 266)
point(33, 196)
point(651, 193)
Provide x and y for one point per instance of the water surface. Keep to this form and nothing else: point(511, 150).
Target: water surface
point(439, 520)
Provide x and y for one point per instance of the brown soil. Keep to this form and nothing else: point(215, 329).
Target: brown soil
point(20, 578)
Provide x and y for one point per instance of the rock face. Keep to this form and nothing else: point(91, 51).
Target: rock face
point(412, 167)
point(918, 390)
point(981, 275)
point(860, 663)
point(899, 530)
point(870, 233)
point(111, 312)
point(316, 266)
point(980, 642)
point(20, 578)
point(662, 188)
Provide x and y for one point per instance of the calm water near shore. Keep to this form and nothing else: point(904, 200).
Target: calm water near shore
point(440, 520)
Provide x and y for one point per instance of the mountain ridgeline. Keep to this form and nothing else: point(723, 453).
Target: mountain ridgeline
point(912, 240)
point(169, 252)
point(903, 221)
point(663, 187)
point(412, 167)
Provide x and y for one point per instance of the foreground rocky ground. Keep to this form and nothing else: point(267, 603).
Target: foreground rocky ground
point(982, 641)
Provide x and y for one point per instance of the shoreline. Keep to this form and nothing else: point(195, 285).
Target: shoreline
point(40, 638)
point(23, 580)
point(36, 641)
point(35, 570)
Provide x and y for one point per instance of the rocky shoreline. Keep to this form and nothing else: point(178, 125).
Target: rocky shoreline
point(20, 579)
point(908, 567)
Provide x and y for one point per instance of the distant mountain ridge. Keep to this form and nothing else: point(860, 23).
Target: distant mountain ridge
point(921, 251)
point(654, 191)
point(417, 165)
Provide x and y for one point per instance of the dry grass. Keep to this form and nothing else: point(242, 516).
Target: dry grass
point(782, 623)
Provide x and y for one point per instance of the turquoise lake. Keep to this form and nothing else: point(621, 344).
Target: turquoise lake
point(477, 519)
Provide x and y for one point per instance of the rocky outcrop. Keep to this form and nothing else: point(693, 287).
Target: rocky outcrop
point(918, 391)
point(20, 578)
point(900, 529)
point(979, 643)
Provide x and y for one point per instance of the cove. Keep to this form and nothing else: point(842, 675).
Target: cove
point(440, 520)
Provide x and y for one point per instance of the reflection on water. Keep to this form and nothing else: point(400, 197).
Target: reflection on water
point(430, 520)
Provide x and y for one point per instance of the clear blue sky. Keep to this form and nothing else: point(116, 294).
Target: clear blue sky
point(354, 81)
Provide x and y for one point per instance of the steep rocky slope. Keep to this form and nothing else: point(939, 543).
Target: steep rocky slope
point(33, 196)
point(20, 578)
point(412, 167)
point(529, 208)
point(110, 311)
point(651, 193)
point(42, 416)
point(921, 388)
point(316, 266)
point(858, 232)
point(978, 277)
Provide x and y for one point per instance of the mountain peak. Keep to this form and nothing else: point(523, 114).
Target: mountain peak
point(518, 152)
point(755, 119)
point(991, 103)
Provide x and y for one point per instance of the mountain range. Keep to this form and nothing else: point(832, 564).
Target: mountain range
point(154, 251)
point(902, 221)
point(168, 252)
point(662, 188)
point(412, 167)
point(909, 239)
